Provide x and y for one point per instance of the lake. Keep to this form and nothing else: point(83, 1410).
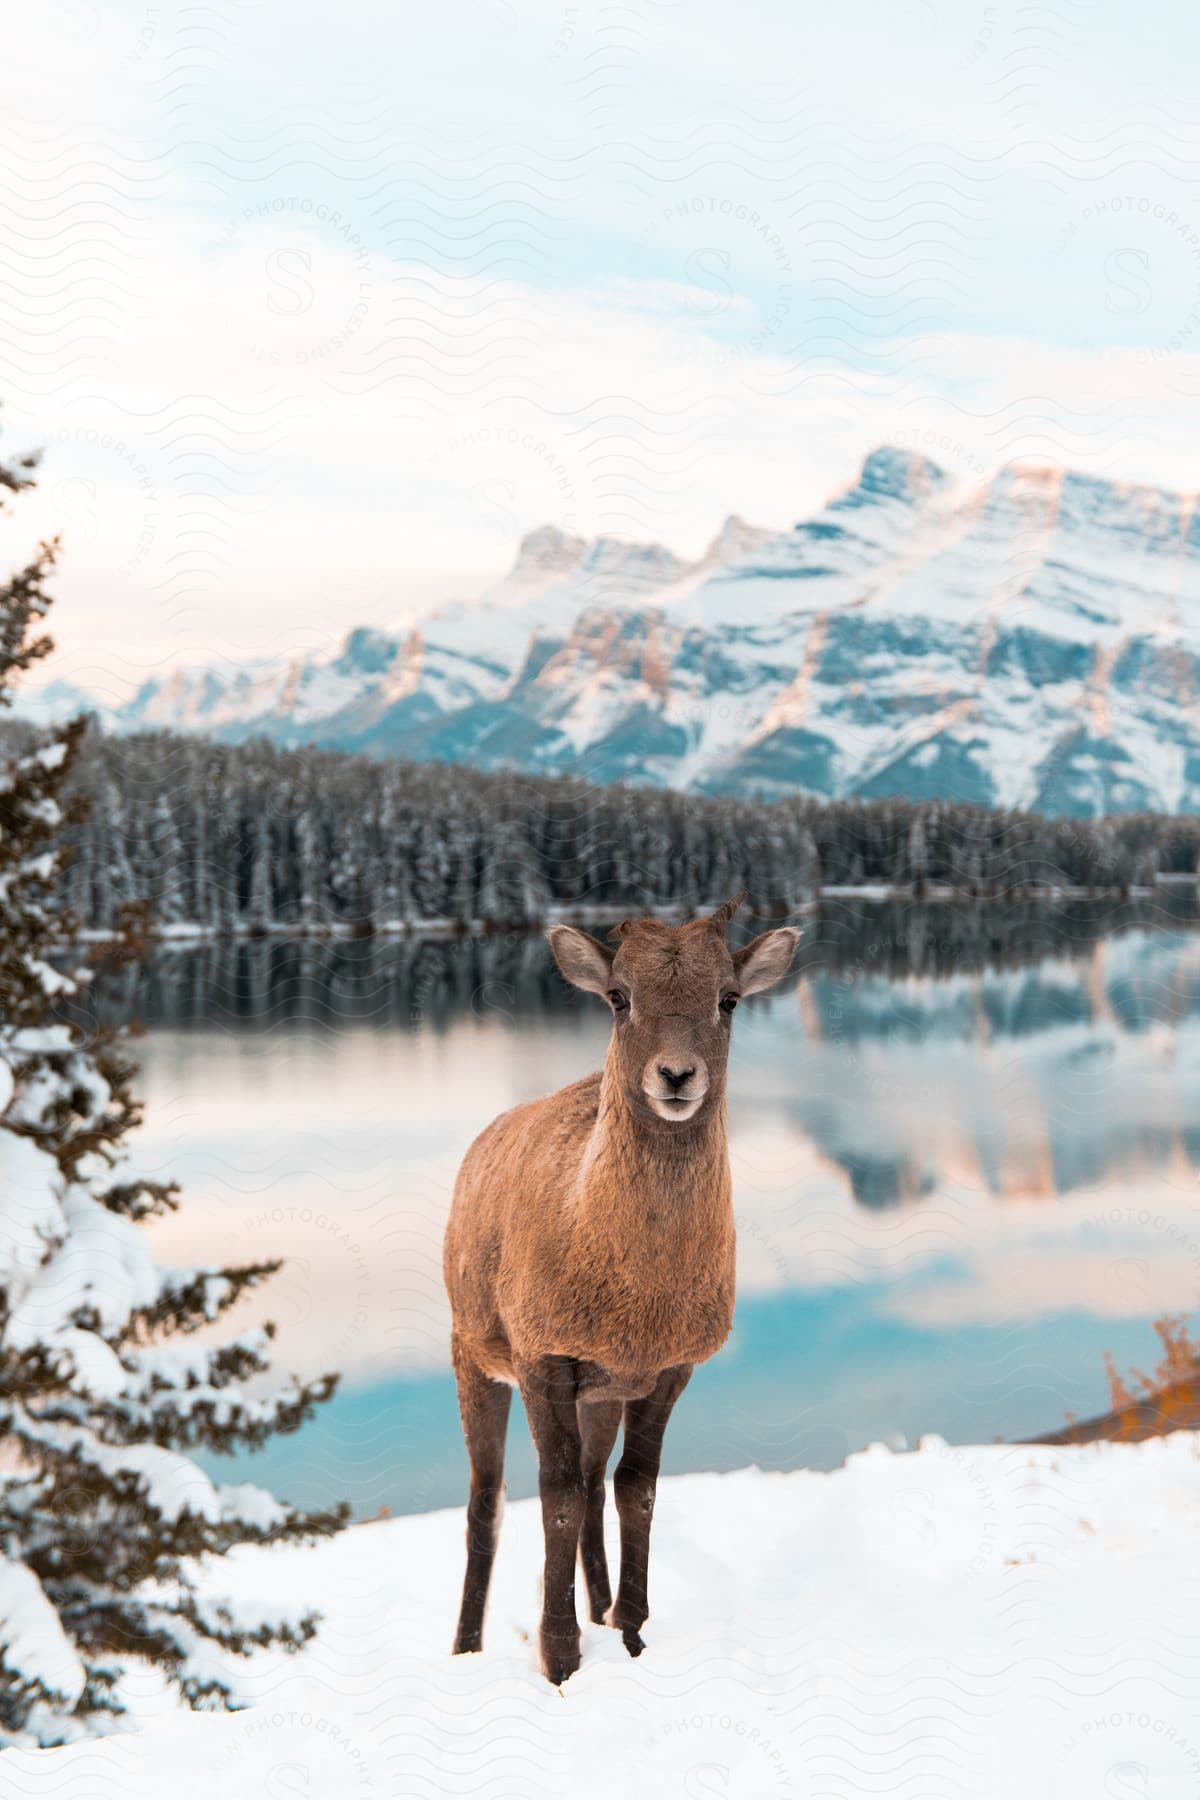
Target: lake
point(965, 1144)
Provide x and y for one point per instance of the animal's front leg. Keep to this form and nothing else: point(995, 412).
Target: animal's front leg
point(548, 1388)
point(635, 1483)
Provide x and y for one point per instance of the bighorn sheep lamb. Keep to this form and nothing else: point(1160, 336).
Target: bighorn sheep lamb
point(589, 1260)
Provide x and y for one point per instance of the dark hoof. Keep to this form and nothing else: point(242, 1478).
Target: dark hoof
point(559, 1661)
point(467, 1646)
point(632, 1641)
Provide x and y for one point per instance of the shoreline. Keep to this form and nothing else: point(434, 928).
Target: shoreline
point(1166, 1410)
point(876, 893)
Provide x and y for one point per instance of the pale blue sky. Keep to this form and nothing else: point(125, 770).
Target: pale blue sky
point(317, 310)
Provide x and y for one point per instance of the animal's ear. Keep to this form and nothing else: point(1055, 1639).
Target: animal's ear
point(765, 960)
point(584, 961)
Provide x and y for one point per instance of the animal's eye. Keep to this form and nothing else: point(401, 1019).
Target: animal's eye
point(617, 1000)
point(729, 1001)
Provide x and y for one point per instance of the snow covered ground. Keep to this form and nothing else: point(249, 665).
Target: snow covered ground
point(998, 1621)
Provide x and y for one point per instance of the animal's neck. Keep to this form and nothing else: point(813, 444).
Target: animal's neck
point(645, 1182)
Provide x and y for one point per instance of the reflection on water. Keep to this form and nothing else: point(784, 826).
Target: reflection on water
point(964, 1148)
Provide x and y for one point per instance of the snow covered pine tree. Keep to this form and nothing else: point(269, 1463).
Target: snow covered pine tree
point(101, 1512)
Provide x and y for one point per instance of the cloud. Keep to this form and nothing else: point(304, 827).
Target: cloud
point(308, 349)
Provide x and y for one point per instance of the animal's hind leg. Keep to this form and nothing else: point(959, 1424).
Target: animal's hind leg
point(635, 1483)
point(599, 1422)
point(484, 1405)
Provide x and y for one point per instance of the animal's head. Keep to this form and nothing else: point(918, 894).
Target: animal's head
point(672, 990)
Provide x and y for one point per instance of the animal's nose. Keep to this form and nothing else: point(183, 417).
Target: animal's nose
point(675, 1078)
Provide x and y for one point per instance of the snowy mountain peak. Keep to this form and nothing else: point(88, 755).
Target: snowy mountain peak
point(617, 555)
point(1020, 482)
point(366, 652)
point(551, 553)
point(1114, 514)
point(548, 551)
point(736, 538)
point(639, 566)
point(896, 474)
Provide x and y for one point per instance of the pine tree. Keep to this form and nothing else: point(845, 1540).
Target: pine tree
point(918, 851)
point(259, 907)
point(102, 1515)
point(308, 867)
point(166, 867)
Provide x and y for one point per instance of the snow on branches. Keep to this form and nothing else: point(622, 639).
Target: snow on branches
point(104, 1387)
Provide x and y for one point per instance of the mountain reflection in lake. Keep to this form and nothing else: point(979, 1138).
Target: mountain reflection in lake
point(964, 1144)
